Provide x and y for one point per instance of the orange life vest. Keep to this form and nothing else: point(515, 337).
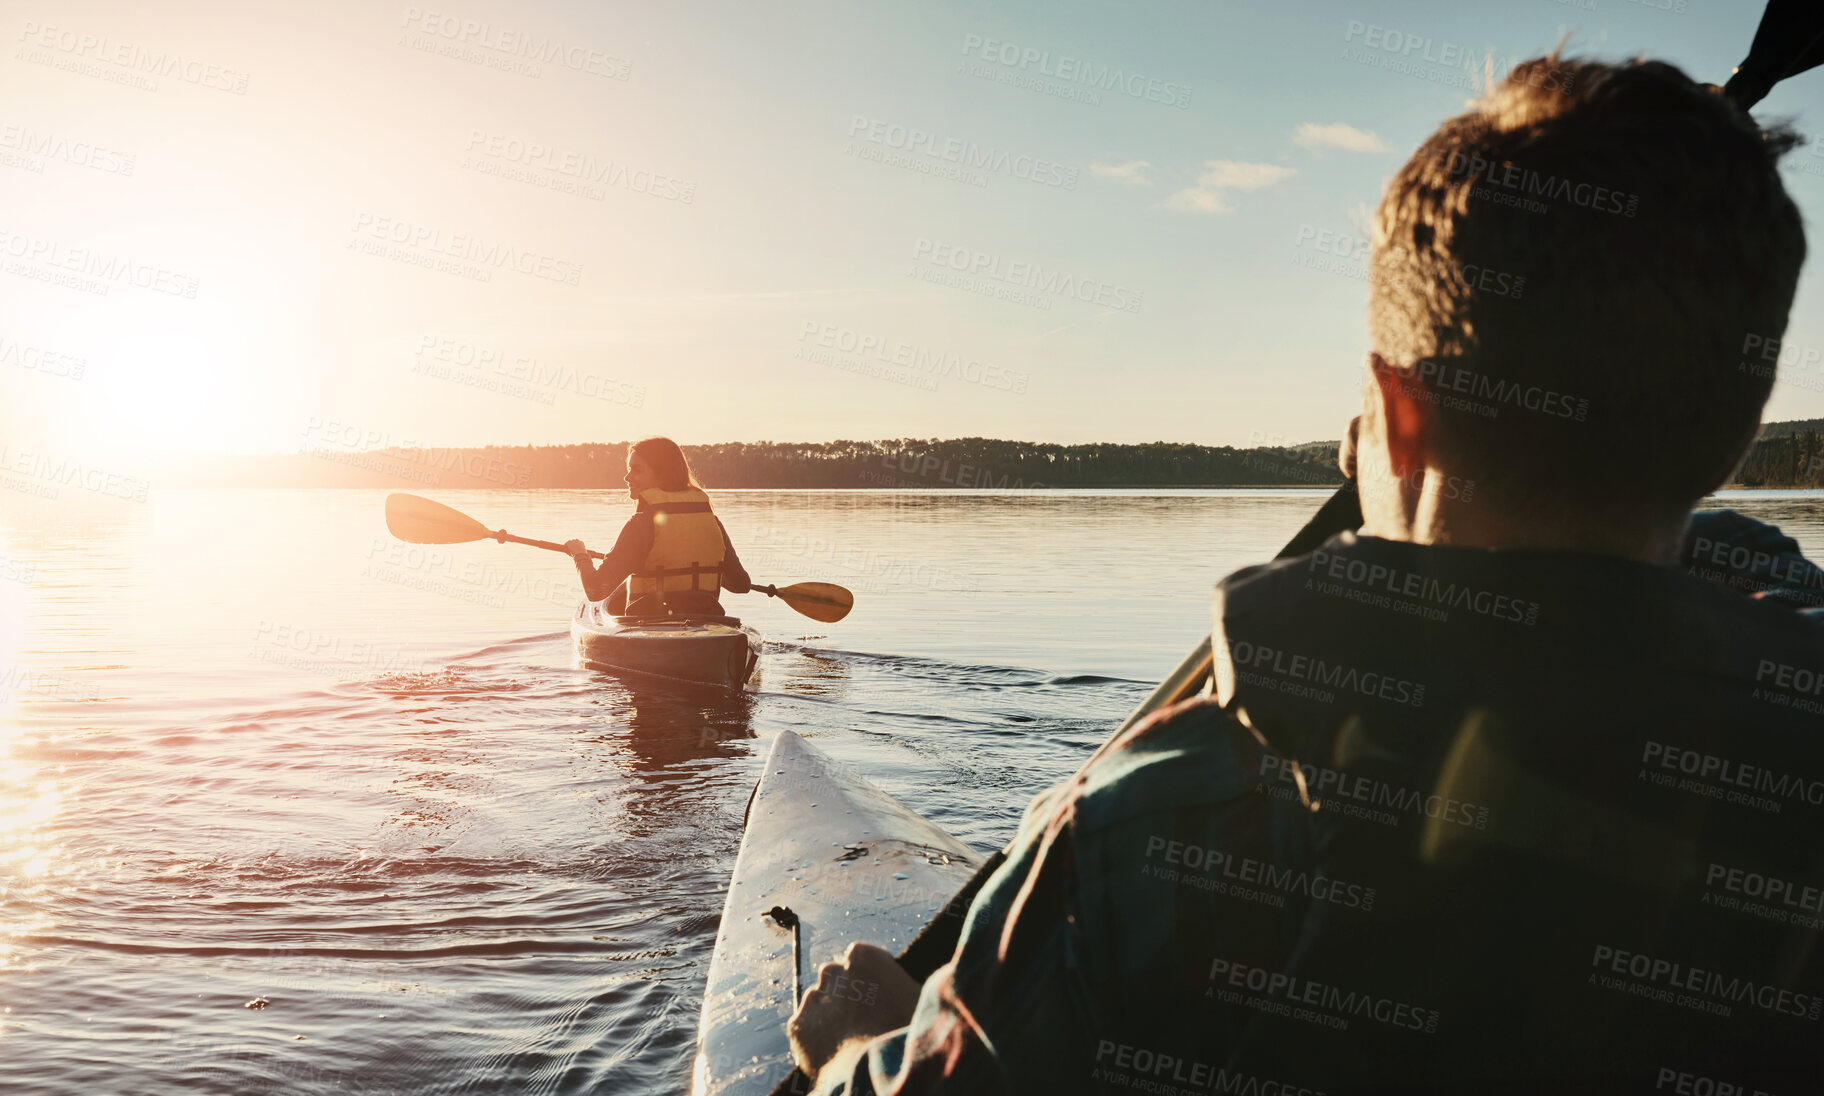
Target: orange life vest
point(686, 552)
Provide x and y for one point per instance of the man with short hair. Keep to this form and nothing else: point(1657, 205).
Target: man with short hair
point(1493, 796)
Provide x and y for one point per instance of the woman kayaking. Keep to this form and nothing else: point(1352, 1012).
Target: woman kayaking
point(673, 554)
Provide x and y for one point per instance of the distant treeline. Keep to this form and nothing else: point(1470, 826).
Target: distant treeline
point(905, 463)
point(1785, 459)
point(1781, 458)
point(1795, 426)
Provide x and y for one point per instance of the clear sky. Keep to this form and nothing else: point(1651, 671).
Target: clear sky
point(258, 227)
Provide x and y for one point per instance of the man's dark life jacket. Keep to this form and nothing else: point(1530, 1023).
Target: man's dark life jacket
point(1588, 795)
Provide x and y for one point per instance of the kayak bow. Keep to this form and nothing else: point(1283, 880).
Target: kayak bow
point(827, 859)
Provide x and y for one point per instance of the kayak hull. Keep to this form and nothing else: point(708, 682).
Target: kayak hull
point(852, 863)
point(717, 651)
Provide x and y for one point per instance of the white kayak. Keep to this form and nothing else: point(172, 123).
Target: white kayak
point(852, 864)
point(705, 650)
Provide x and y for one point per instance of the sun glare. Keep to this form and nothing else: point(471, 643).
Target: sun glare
point(169, 384)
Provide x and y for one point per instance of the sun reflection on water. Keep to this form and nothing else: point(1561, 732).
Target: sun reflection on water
point(28, 803)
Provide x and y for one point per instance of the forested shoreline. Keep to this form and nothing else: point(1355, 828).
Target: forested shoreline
point(1785, 459)
point(960, 463)
point(1787, 455)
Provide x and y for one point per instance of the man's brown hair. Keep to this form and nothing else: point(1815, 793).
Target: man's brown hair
point(1587, 251)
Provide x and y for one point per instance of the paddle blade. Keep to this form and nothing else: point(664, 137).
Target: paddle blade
point(824, 601)
point(421, 521)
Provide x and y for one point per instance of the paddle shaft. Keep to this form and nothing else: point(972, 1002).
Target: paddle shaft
point(505, 537)
point(786, 595)
point(771, 590)
point(418, 520)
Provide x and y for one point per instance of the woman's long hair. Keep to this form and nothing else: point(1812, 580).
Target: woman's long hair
point(668, 461)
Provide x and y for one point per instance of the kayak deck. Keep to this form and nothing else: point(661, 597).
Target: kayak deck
point(703, 650)
point(852, 863)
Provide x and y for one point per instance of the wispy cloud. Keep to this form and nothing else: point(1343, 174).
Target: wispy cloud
point(1210, 195)
point(1338, 135)
point(1132, 172)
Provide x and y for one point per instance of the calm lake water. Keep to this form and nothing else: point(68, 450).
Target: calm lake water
point(252, 749)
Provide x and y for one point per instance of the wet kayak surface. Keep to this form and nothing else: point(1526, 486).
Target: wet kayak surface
point(288, 806)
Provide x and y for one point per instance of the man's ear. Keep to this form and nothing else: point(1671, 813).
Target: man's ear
point(1345, 454)
point(1405, 414)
